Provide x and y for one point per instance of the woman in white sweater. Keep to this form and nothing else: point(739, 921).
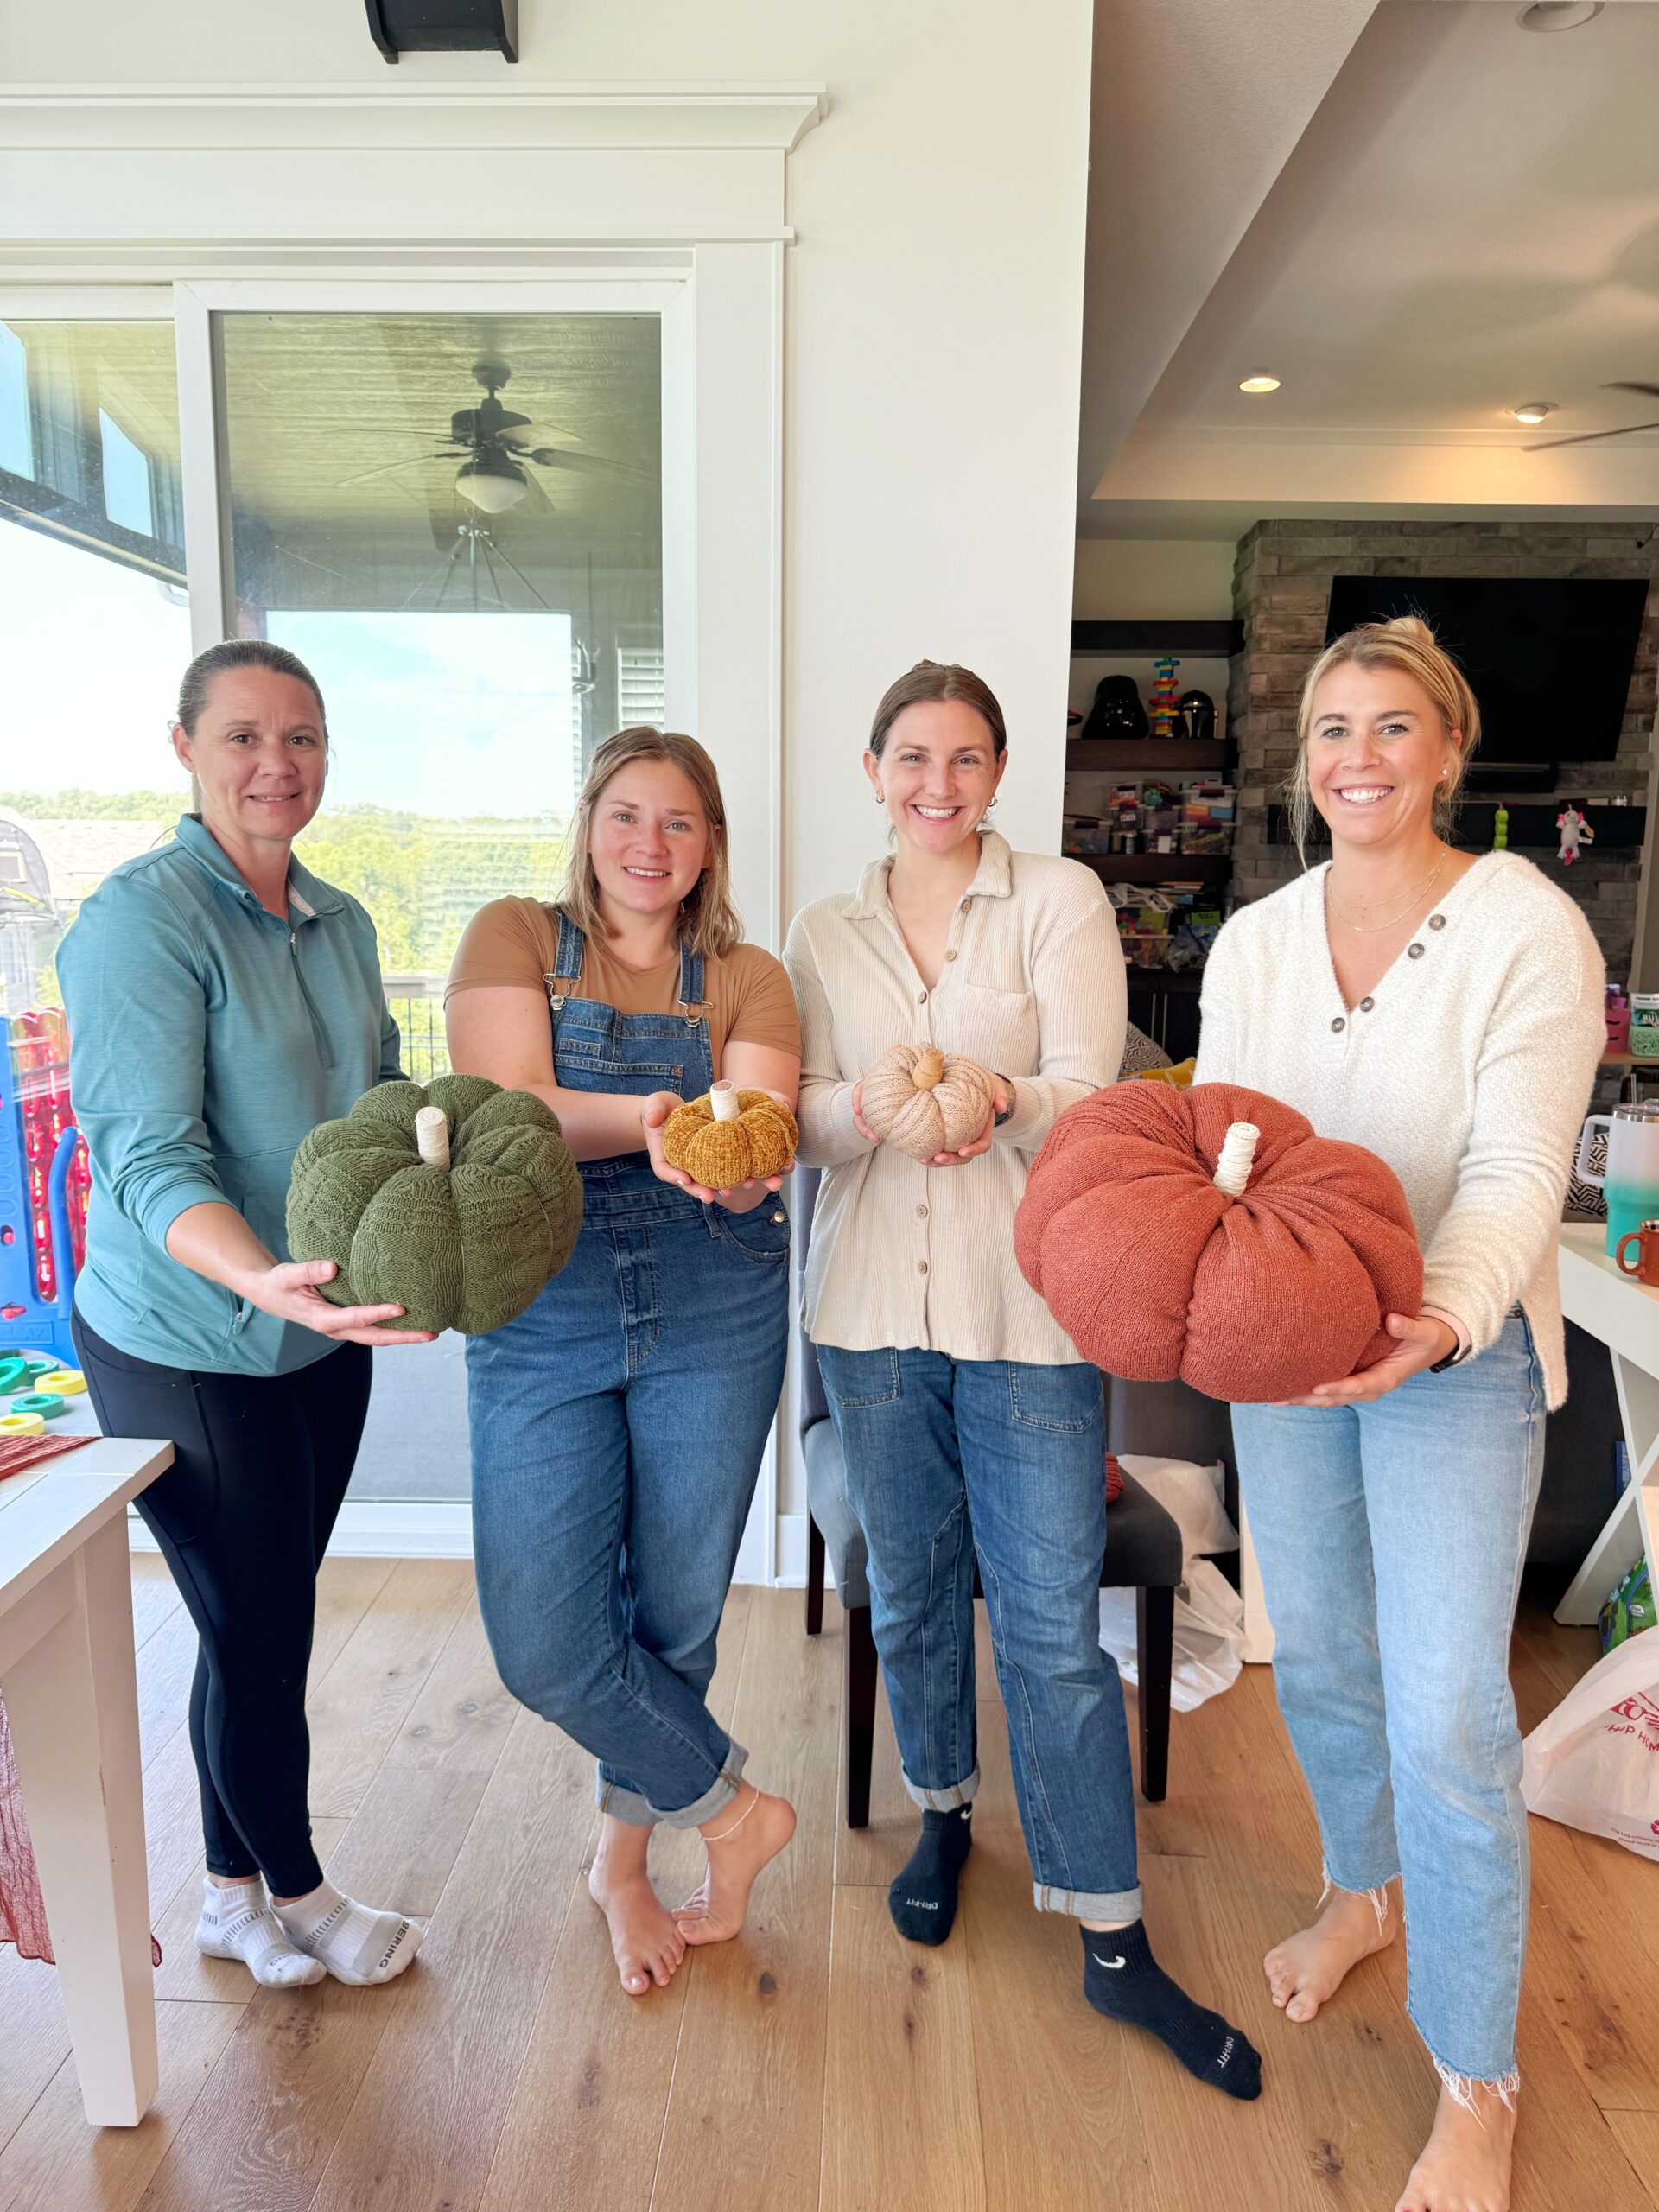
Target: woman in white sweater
point(968, 1422)
point(1444, 1010)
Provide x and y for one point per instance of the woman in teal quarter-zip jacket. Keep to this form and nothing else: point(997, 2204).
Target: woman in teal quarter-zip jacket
point(222, 1001)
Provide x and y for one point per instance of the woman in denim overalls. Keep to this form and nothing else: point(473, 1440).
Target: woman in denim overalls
point(617, 1427)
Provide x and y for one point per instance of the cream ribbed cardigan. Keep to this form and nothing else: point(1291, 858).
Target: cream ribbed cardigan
point(1468, 1069)
point(1033, 986)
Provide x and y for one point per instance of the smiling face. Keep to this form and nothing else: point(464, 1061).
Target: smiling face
point(258, 754)
point(938, 773)
point(1378, 754)
point(649, 840)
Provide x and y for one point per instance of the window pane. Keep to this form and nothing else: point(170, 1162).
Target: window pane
point(96, 633)
point(455, 520)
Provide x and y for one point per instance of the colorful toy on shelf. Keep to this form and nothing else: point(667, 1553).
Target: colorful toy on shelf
point(1165, 705)
point(1210, 1234)
point(1575, 831)
point(1501, 829)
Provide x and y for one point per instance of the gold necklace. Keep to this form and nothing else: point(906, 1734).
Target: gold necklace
point(1375, 929)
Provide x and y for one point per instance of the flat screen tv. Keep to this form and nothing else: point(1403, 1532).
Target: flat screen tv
point(1549, 662)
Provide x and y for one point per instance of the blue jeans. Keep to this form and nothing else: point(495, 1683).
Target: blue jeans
point(617, 1429)
point(950, 1459)
point(1391, 1538)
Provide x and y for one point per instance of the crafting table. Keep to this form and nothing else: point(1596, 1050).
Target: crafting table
point(66, 1674)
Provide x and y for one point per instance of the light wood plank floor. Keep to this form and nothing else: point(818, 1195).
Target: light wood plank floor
point(819, 2062)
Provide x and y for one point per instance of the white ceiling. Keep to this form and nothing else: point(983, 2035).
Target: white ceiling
point(1468, 218)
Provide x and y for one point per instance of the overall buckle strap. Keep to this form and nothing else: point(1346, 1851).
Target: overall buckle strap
point(567, 964)
point(692, 978)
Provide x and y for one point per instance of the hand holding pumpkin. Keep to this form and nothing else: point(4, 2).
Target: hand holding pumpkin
point(732, 1139)
point(1419, 1341)
point(940, 1108)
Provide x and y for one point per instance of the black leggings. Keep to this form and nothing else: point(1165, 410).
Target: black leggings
point(243, 1516)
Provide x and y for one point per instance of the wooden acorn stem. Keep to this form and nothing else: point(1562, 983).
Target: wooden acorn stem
point(929, 1071)
point(723, 1101)
point(432, 1135)
point(1237, 1152)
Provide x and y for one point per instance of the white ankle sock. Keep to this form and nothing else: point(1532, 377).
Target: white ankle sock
point(356, 1943)
point(239, 1924)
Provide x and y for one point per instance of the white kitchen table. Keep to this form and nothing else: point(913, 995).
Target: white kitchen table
point(1624, 1315)
point(68, 1678)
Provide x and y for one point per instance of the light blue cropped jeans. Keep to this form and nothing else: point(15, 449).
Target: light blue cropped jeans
point(1391, 1538)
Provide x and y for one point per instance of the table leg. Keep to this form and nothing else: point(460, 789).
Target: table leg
point(71, 1701)
point(1633, 1520)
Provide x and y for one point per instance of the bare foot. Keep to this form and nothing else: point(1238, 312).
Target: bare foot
point(750, 1831)
point(645, 1942)
point(1306, 1970)
point(1465, 2166)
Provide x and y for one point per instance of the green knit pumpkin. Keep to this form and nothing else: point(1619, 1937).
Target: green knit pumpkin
point(465, 1247)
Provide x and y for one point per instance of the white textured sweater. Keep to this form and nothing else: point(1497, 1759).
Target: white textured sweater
point(1468, 1069)
point(1031, 986)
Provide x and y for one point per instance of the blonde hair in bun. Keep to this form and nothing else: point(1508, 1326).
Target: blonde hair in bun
point(1406, 643)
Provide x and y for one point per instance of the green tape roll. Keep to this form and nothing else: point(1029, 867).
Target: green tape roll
point(40, 1402)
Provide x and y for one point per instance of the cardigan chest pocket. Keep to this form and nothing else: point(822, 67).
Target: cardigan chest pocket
point(997, 1028)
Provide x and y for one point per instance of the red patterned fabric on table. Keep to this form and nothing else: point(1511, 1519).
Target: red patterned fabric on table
point(1156, 1273)
point(22, 1909)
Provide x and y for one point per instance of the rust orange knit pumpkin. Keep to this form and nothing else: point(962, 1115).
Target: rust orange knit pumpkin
point(1154, 1272)
point(925, 1101)
point(728, 1135)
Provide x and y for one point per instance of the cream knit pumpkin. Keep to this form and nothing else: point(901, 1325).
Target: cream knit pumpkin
point(924, 1101)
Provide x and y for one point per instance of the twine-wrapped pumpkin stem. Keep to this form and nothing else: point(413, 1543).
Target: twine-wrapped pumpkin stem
point(1237, 1152)
point(723, 1100)
point(929, 1071)
point(432, 1135)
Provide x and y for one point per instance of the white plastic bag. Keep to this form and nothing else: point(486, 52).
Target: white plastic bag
point(1192, 1495)
point(1208, 1649)
point(1594, 1763)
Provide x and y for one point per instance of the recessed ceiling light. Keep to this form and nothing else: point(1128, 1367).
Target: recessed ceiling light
point(1558, 14)
point(1534, 411)
point(1258, 383)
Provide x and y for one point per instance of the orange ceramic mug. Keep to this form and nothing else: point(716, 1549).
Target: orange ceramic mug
point(1646, 1239)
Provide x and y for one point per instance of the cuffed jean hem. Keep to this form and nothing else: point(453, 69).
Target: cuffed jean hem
point(948, 1800)
point(1087, 1904)
point(637, 1812)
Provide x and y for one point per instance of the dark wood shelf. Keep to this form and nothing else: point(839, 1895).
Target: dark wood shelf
point(1168, 982)
point(1175, 756)
point(1159, 867)
point(1532, 827)
point(1219, 640)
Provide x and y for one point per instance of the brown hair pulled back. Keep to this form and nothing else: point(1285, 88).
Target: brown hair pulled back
point(932, 679)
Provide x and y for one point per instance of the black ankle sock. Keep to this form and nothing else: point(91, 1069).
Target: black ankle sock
point(922, 1899)
point(1122, 1979)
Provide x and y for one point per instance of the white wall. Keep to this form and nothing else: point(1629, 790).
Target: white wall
point(933, 331)
point(1132, 579)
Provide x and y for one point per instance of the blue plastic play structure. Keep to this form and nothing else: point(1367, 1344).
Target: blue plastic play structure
point(28, 1321)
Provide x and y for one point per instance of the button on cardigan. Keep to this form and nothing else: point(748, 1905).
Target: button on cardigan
point(1470, 1072)
point(1031, 986)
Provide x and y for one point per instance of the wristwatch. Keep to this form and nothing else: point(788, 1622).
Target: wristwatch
point(1007, 1113)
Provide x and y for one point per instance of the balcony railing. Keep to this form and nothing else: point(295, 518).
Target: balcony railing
point(416, 1003)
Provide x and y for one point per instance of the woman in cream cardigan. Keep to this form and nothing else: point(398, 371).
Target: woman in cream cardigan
point(957, 1400)
point(1444, 1010)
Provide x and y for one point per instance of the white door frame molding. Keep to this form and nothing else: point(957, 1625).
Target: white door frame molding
point(595, 196)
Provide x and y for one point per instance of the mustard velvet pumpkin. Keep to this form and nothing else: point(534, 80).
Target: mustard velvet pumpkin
point(467, 1245)
point(925, 1101)
point(728, 1135)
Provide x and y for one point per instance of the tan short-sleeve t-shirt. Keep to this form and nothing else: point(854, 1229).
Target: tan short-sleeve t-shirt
point(515, 942)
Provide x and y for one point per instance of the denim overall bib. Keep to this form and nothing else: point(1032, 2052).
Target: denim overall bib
point(617, 1427)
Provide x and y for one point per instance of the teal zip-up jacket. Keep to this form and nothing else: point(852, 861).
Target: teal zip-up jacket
point(205, 1038)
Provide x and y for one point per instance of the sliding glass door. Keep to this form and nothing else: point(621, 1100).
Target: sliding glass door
point(454, 513)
